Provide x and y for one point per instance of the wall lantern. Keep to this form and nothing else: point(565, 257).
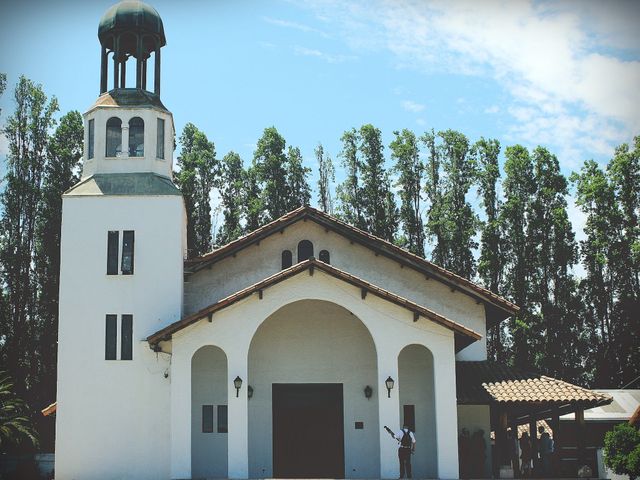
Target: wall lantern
point(249, 391)
point(389, 384)
point(368, 391)
point(238, 384)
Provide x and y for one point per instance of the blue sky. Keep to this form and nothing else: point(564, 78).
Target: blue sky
point(565, 75)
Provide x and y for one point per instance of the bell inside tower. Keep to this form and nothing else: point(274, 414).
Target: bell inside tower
point(131, 35)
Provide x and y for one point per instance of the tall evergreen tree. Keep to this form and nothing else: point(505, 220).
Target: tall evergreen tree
point(253, 199)
point(27, 132)
point(491, 261)
point(380, 216)
point(435, 225)
point(326, 176)
point(231, 188)
point(197, 177)
point(60, 174)
point(349, 192)
point(518, 187)
point(270, 163)
point(410, 170)
point(298, 189)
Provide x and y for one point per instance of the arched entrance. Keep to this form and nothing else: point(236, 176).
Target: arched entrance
point(209, 413)
point(309, 364)
point(417, 407)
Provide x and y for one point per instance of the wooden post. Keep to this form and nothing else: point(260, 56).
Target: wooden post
point(555, 427)
point(580, 437)
point(501, 439)
point(533, 437)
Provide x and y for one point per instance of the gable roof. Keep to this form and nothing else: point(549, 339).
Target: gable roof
point(463, 335)
point(497, 308)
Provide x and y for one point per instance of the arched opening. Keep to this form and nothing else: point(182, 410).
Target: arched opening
point(209, 413)
point(305, 250)
point(324, 256)
point(136, 137)
point(287, 261)
point(304, 358)
point(114, 137)
point(417, 406)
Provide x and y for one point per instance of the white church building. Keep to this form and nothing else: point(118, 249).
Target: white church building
point(281, 354)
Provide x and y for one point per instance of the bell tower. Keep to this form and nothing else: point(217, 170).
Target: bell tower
point(123, 245)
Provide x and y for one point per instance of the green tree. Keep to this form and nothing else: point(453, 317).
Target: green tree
point(231, 188)
point(298, 189)
point(15, 424)
point(27, 132)
point(270, 164)
point(326, 176)
point(349, 192)
point(253, 201)
point(491, 261)
point(60, 174)
point(197, 177)
point(435, 225)
point(622, 450)
point(410, 170)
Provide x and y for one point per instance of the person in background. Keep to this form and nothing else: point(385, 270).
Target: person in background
point(546, 449)
point(525, 454)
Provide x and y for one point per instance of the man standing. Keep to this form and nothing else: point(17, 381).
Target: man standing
point(407, 446)
point(546, 449)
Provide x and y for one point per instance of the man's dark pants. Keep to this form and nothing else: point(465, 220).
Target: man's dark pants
point(404, 455)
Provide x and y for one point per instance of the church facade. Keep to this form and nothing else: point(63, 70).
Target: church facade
point(281, 354)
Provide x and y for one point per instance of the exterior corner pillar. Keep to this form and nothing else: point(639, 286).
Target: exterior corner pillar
point(180, 414)
point(238, 407)
point(444, 371)
point(388, 411)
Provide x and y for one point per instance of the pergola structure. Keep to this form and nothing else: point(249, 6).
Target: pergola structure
point(517, 398)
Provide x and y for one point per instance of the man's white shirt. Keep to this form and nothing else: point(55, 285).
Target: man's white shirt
point(400, 433)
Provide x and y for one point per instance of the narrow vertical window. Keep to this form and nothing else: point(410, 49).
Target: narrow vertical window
point(114, 137)
point(136, 137)
point(160, 137)
point(286, 259)
point(410, 417)
point(126, 338)
point(110, 337)
point(127, 252)
point(222, 419)
point(305, 250)
point(324, 256)
point(112, 252)
point(207, 418)
point(90, 139)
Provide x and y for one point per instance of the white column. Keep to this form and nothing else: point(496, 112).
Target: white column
point(238, 436)
point(125, 140)
point(180, 414)
point(444, 372)
point(388, 411)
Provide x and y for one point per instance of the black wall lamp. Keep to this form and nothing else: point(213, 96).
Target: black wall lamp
point(368, 391)
point(237, 382)
point(249, 392)
point(389, 384)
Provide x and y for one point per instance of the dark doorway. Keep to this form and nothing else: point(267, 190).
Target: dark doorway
point(308, 430)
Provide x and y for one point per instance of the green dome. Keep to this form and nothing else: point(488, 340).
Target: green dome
point(131, 15)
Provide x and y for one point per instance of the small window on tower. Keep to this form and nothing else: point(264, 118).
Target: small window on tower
point(305, 250)
point(127, 252)
point(160, 143)
point(324, 256)
point(126, 338)
point(207, 418)
point(110, 337)
point(287, 261)
point(222, 419)
point(113, 241)
point(114, 137)
point(136, 137)
point(91, 135)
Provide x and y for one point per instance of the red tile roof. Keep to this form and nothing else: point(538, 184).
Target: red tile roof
point(463, 335)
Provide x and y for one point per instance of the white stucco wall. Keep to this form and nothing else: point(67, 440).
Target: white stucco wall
point(125, 164)
point(415, 365)
point(391, 328)
point(112, 414)
point(315, 342)
point(256, 262)
point(473, 418)
point(208, 387)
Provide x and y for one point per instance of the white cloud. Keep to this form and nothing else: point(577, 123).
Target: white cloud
point(492, 109)
point(411, 106)
point(294, 25)
point(327, 57)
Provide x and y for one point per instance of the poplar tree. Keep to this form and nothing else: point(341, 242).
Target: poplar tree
point(253, 201)
point(197, 177)
point(231, 188)
point(298, 189)
point(349, 192)
point(435, 226)
point(27, 131)
point(410, 170)
point(61, 172)
point(270, 164)
point(326, 176)
point(491, 261)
